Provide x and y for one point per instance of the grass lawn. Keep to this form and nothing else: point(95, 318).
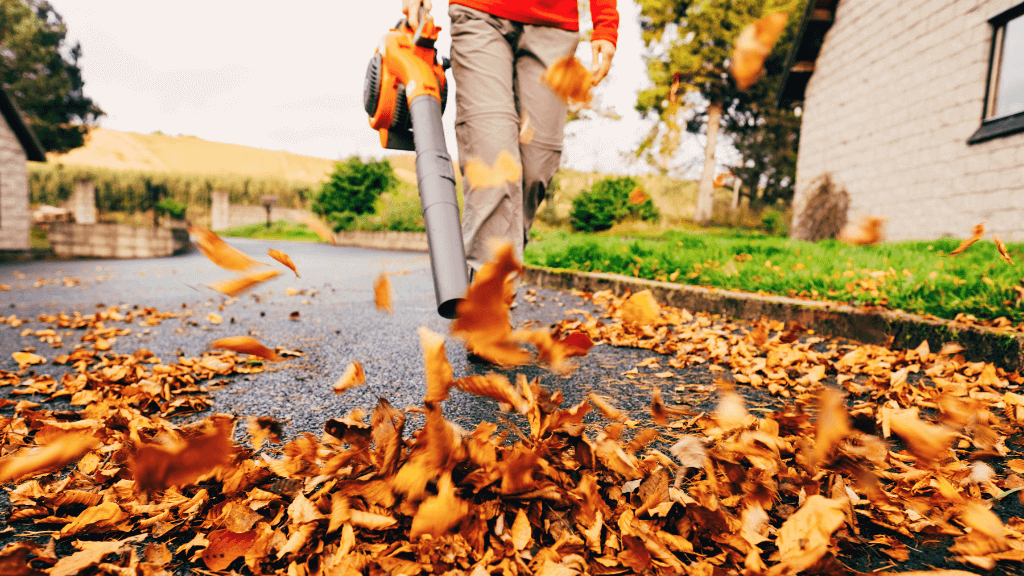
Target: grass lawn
point(915, 277)
point(279, 230)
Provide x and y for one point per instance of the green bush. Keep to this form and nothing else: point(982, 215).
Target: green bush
point(773, 222)
point(172, 208)
point(353, 188)
point(608, 202)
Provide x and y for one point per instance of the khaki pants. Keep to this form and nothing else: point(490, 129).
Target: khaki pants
point(497, 66)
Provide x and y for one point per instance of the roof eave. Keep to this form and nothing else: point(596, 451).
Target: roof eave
point(34, 150)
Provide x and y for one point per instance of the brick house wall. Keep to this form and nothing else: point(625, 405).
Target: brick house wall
point(15, 219)
point(897, 90)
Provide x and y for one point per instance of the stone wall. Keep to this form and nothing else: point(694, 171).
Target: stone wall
point(385, 240)
point(224, 215)
point(897, 90)
point(116, 241)
point(15, 219)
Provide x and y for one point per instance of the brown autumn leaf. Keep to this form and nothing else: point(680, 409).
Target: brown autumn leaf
point(439, 514)
point(439, 371)
point(214, 318)
point(494, 386)
point(90, 554)
point(804, 537)
point(928, 441)
point(555, 351)
point(640, 309)
point(58, 452)
point(382, 292)
point(660, 413)
point(318, 227)
point(263, 428)
point(352, 377)
point(235, 286)
point(26, 359)
point(833, 423)
point(483, 316)
point(1003, 252)
point(570, 80)
point(225, 546)
point(605, 406)
point(637, 196)
point(753, 46)
point(521, 531)
point(865, 232)
point(732, 409)
point(183, 461)
point(506, 170)
point(283, 259)
point(219, 252)
point(246, 345)
point(979, 232)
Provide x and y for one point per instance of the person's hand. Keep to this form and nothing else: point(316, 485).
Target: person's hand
point(603, 51)
point(411, 9)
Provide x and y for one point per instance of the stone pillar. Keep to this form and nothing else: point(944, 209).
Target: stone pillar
point(219, 219)
point(83, 202)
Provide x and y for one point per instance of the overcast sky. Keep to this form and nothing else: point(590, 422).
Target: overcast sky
point(290, 76)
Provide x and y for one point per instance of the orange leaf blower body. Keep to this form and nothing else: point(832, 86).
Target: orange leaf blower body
point(405, 94)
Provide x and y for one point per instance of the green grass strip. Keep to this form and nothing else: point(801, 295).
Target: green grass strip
point(917, 277)
point(278, 230)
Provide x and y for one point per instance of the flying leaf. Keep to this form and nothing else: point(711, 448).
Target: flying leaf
point(732, 410)
point(506, 169)
point(1002, 249)
point(482, 321)
point(283, 259)
point(156, 467)
point(661, 413)
point(640, 309)
point(637, 196)
point(246, 345)
point(833, 423)
point(237, 285)
point(804, 537)
point(526, 132)
point(494, 386)
point(225, 546)
point(979, 231)
point(926, 440)
point(264, 428)
point(439, 514)
point(58, 452)
point(352, 377)
point(26, 359)
point(607, 409)
point(439, 371)
point(753, 46)
point(319, 228)
point(382, 292)
point(570, 80)
point(865, 232)
point(219, 252)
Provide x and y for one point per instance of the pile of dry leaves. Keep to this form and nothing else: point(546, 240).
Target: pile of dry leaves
point(557, 491)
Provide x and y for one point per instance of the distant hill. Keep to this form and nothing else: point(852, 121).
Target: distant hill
point(118, 150)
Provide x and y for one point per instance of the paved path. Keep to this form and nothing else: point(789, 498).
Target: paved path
point(339, 324)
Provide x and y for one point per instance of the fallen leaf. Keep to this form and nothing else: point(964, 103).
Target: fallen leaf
point(865, 232)
point(263, 428)
point(236, 286)
point(753, 46)
point(640, 309)
point(26, 359)
point(804, 537)
point(352, 377)
point(570, 80)
point(439, 514)
point(219, 252)
point(494, 386)
point(92, 553)
point(1002, 249)
point(215, 318)
point(521, 531)
point(506, 170)
point(382, 292)
point(225, 546)
point(246, 345)
point(283, 259)
point(979, 232)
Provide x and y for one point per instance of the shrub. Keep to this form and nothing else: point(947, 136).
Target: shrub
point(825, 212)
point(773, 222)
point(172, 208)
point(353, 188)
point(609, 201)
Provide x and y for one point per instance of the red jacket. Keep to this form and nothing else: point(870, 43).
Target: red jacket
point(556, 13)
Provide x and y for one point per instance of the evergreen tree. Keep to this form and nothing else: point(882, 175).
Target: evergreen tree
point(40, 73)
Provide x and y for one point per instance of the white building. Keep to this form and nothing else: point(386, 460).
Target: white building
point(18, 144)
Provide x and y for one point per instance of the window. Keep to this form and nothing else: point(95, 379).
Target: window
point(1004, 95)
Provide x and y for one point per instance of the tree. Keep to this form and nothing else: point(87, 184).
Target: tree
point(353, 189)
point(690, 43)
point(41, 74)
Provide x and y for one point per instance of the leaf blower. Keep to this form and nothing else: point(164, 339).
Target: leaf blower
point(405, 94)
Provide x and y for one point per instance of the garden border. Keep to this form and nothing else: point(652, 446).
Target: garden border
point(870, 326)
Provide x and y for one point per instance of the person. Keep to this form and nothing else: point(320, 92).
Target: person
point(499, 52)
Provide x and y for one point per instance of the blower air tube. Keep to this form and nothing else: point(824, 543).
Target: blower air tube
point(436, 180)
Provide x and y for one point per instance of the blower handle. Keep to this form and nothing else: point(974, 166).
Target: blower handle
point(436, 179)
